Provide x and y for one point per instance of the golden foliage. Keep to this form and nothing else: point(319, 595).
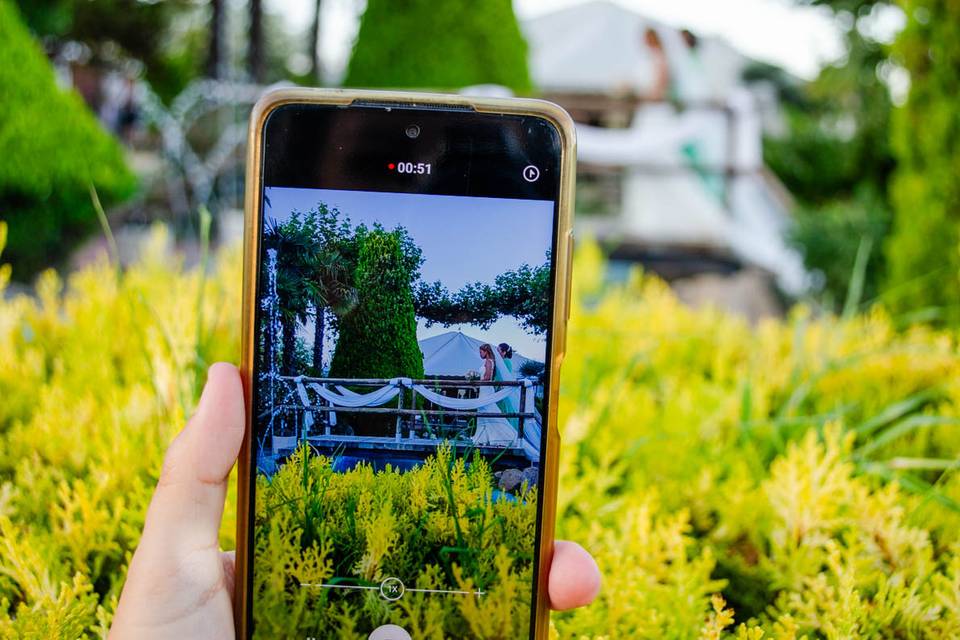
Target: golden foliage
point(791, 479)
point(457, 536)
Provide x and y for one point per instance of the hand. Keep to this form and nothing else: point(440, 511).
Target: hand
point(180, 585)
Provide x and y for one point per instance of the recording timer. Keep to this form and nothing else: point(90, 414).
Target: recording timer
point(419, 168)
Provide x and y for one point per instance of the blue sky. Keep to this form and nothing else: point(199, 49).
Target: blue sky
point(463, 240)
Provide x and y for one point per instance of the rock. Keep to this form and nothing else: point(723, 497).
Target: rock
point(510, 479)
point(530, 476)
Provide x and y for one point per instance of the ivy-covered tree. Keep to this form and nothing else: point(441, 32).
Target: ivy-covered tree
point(924, 249)
point(439, 45)
point(378, 337)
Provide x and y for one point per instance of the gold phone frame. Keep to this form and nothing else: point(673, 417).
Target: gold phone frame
point(563, 242)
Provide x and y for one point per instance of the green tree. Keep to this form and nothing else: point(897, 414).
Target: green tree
point(378, 338)
point(53, 150)
point(836, 158)
point(439, 45)
point(151, 32)
point(215, 47)
point(523, 293)
point(295, 242)
point(331, 274)
point(315, 266)
point(924, 249)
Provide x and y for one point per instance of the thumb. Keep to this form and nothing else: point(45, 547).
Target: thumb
point(188, 502)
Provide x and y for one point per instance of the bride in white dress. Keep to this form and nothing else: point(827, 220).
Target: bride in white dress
point(495, 431)
point(499, 431)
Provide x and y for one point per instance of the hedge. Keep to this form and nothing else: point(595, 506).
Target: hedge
point(924, 249)
point(53, 150)
point(439, 45)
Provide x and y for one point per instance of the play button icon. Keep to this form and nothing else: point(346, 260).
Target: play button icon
point(531, 173)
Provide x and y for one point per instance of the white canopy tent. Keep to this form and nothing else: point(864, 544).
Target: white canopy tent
point(454, 354)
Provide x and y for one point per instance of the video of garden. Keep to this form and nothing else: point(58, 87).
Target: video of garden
point(401, 353)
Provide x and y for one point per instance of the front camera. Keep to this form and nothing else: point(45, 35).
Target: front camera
point(413, 131)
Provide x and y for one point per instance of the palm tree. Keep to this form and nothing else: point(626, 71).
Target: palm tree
point(332, 268)
point(333, 290)
point(314, 276)
point(295, 243)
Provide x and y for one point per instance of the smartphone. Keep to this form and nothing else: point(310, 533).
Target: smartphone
point(406, 291)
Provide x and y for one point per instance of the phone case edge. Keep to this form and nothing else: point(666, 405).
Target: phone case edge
point(564, 243)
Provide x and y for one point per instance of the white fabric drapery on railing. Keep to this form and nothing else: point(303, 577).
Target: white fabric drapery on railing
point(351, 399)
point(468, 404)
point(344, 397)
point(347, 398)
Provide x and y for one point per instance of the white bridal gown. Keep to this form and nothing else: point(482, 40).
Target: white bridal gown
point(502, 432)
point(495, 431)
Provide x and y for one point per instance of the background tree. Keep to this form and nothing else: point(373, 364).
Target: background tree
point(835, 156)
point(378, 338)
point(256, 58)
point(295, 242)
point(473, 304)
point(440, 45)
point(924, 249)
point(151, 32)
point(331, 271)
point(53, 150)
point(313, 44)
point(215, 59)
point(523, 293)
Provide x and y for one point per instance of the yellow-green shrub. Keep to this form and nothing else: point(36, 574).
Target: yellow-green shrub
point(439, 522)
point(801, 469)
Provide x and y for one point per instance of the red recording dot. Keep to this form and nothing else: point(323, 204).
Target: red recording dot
point(391, 166)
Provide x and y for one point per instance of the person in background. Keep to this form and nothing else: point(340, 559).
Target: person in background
point(489, 364)
point(660, 88)
point(506, 352)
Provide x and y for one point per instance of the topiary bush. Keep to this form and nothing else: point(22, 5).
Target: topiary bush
point(53, 150)
point(378, 337)
point(797, 477)
point(924, 249)
point(439, 45)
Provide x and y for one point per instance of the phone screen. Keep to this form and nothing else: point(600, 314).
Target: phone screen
point(401, 371)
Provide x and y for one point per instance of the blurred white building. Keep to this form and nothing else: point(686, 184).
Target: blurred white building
point(675, 182)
